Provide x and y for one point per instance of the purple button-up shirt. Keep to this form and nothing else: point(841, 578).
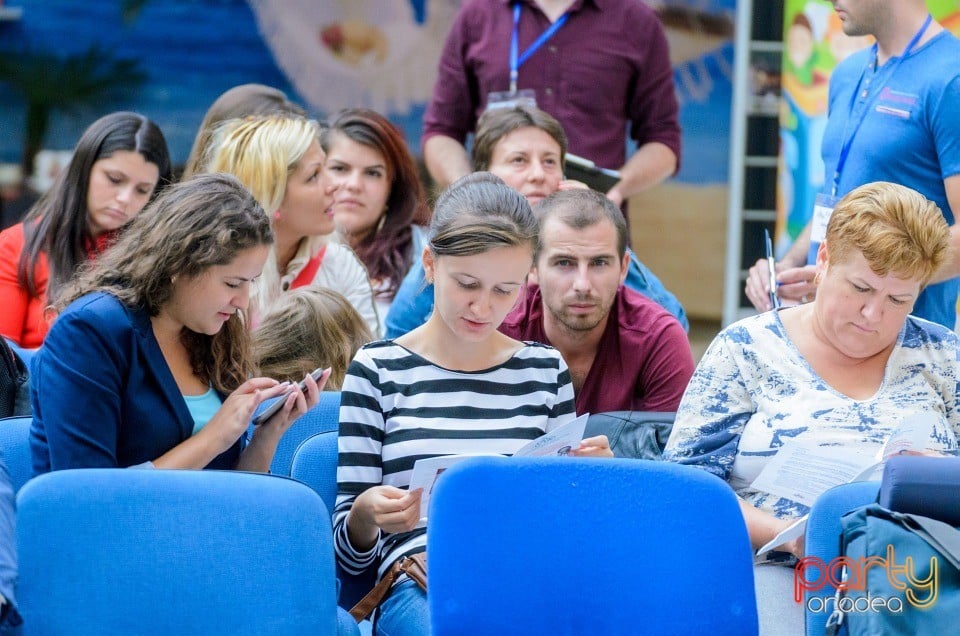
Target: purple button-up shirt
point(607, 66)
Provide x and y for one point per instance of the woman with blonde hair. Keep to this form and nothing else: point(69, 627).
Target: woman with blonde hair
point(308, 328)
point(279, 159)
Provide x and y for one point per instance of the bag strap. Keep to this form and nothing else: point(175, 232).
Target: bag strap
point(941, 536)
point(414, 566)
point(368, 603)
point(306, 275)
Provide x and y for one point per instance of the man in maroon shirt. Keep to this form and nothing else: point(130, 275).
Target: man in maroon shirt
point(625, 352)
point(605, 66)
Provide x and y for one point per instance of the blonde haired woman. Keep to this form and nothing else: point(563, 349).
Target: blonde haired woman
point(279, 159)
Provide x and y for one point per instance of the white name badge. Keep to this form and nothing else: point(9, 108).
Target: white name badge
point(507, 99)
point(822, 209)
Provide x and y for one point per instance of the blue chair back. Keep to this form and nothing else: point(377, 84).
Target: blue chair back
point(587, 546)
point(315, 464)
point(823, 541)
point(115, 551)
point(15, 446)
point(325, 416)
point(921, 485)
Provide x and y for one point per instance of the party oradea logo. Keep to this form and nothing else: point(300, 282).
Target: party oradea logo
point(849, 576)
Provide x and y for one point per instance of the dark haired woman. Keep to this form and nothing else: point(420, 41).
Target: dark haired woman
point(117, 166)
point(378, 205)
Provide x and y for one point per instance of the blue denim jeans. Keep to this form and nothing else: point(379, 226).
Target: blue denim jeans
point(404, 612)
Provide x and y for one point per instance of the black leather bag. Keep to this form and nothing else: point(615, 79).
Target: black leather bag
point(633, 434)
point(14, 389)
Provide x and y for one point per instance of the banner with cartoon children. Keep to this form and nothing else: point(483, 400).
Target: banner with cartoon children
point(813, 44)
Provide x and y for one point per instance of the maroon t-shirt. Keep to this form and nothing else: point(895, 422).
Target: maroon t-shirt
point(643, 362)
point(607, 66)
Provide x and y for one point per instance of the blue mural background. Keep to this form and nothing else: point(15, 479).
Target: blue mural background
point(193, 50)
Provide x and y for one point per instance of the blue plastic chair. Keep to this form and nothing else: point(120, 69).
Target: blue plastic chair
point(15, 446)
point(823, 541)
point(315, 464)
point(325, 416)
point(587, 546)
point(115, 551)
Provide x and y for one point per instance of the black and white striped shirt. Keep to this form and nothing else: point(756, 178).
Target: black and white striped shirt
point(397, 407)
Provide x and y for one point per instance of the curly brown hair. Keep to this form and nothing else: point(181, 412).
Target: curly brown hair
point(190, 227)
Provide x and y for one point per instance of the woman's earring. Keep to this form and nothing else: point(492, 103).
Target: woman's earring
point(383, 219)
point(276, 215)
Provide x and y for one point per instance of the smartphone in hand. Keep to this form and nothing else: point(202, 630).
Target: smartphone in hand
point(277, 404)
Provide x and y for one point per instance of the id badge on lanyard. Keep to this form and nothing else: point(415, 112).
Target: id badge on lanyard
point(822, 209)
point(507, 99)
point(825, 203)
point(521, 96)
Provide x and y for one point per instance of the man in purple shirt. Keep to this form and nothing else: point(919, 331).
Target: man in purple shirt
point(625, 352)
point(607, 64)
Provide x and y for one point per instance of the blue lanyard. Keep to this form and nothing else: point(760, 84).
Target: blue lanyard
point(515, 61)
point(845, 149)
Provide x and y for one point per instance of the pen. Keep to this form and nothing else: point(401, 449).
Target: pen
point(774, 299)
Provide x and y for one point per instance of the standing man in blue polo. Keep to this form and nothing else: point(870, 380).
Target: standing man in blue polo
point(595, 65)
point(892, 116)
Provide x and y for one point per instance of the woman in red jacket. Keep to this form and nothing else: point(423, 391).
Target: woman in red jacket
point(116, 168)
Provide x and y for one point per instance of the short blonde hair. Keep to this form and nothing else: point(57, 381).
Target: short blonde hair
point(307, 328)
point(897, 230)
point(262, 152)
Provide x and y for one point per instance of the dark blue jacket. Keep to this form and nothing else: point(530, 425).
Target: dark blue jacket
point(102, 393)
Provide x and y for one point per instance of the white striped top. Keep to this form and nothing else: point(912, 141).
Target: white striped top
point(397, 407)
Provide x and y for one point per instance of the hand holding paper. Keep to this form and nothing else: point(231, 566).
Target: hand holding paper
point(792, 532)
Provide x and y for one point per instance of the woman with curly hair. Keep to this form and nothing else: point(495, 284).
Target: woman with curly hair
point(148, 364)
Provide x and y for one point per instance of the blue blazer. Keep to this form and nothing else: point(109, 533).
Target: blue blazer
point(102, 393)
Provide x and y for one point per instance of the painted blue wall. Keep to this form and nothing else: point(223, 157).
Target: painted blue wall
point(192, 50)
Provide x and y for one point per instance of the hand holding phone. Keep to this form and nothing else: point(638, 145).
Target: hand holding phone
point(277, 404)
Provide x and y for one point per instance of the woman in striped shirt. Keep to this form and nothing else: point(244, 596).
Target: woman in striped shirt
point(453, 385)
